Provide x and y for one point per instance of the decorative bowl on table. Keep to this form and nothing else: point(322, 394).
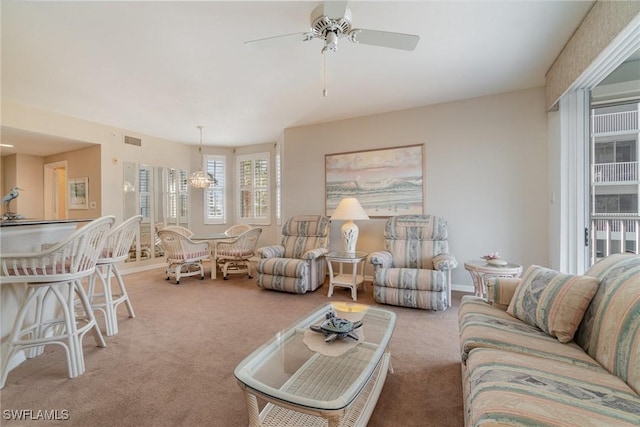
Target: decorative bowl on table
point(494, 259)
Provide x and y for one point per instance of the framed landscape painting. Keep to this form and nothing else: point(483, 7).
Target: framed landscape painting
point(386, 182)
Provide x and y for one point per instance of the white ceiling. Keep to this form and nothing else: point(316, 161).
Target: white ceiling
point(162, 68)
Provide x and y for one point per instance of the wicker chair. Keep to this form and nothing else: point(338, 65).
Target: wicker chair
point(233, 256)
point(179, 229)
point(115, 250)
point(54, 293)
point(237, 229)
point(184, 256)
point(414, 270)
point(297, 265)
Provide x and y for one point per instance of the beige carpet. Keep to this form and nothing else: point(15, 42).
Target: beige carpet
point(173, 364)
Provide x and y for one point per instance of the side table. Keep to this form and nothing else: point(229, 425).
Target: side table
point(479, 270)
point(344, 279)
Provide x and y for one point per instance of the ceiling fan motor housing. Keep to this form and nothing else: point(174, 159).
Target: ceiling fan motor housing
point(321, 24)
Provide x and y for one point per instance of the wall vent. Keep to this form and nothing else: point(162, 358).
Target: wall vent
point(132, 141)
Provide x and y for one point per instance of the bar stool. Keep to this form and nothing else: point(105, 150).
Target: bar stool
point(56, 272)
point(115, 250)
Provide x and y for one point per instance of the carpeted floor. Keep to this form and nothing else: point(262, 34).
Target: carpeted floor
point(173, 364)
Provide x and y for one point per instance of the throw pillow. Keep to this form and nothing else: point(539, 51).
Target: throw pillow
point(554, 302)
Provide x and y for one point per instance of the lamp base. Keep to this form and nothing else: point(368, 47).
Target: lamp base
point(350, 236)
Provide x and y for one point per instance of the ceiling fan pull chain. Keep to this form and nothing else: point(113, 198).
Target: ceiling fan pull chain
point(324, 75)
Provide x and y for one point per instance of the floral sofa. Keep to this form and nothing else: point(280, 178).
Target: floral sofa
point(552, 349)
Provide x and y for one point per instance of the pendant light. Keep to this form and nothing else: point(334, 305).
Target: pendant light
point(201, 179)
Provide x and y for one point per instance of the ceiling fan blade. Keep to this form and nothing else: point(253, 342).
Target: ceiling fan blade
point(278, 40)
point(335, 9)
point(384, 39)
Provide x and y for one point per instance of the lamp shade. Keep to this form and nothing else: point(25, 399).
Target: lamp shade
point(349, 209)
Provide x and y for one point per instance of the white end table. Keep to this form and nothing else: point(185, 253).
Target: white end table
point(479, 270)
point(344, 279)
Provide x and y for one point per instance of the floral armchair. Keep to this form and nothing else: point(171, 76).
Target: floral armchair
point(414, 270)
point(297, 265)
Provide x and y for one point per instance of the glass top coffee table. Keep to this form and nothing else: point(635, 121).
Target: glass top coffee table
point(338, 381)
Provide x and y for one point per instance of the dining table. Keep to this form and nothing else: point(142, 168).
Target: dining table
point(212, 238)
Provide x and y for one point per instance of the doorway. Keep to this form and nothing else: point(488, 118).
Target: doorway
point(614, 157)
point(55, 190)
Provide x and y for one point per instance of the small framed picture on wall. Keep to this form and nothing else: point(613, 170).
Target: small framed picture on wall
point(78, 193)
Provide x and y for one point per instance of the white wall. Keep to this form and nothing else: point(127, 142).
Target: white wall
point(485, 171)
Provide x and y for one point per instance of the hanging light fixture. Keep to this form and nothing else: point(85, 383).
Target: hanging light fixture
point(201, 179)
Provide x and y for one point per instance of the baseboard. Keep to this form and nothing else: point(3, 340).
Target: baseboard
point(463, 288)
point(458, 288)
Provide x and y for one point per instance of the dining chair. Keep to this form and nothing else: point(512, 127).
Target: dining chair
point(184, 256)
point(179, 229)
point(233, 256)
point(237, 229)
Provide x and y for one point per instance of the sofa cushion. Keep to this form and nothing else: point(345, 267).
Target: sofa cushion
point(411, 278)
point(426, 300)
point(506, 388)
point(485, 326)
point(287, 267)
point(553, 301)
point(610, 330)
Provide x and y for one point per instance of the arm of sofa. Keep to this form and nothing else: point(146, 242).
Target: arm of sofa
point(275, 251)
point(314, 253)
point(381, 259)
point(500, 291)
point(445, 262)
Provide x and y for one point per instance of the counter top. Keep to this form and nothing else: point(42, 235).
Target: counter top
point(29, 221)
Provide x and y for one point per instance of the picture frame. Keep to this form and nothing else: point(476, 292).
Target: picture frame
point(78, 193)
point(387, 182)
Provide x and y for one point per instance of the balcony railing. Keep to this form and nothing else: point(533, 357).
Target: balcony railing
point(614, 122)
point(614, 233)
point(615, 172)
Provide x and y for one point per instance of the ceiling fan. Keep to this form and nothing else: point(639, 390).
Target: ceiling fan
point(330, 22)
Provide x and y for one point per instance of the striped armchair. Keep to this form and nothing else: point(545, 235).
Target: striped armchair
point(297, 265)
point(414, 270)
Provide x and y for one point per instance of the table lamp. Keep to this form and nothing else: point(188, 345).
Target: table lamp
point(349, 209)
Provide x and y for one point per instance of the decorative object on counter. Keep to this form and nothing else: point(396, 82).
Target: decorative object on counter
point(6, 200)
point(493, 258)
point(334, 328)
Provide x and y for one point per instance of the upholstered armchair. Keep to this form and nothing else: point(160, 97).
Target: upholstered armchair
point(297, 265)
point(414, 270)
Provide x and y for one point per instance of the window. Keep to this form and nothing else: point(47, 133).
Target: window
point(615, 152)
point(214, 203)
point(177, 197)
point(278, 161)
point(144, 182)
point(253, 188)
point(616, 203)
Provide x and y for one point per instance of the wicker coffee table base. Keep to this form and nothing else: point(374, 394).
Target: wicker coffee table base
point(281, 414)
